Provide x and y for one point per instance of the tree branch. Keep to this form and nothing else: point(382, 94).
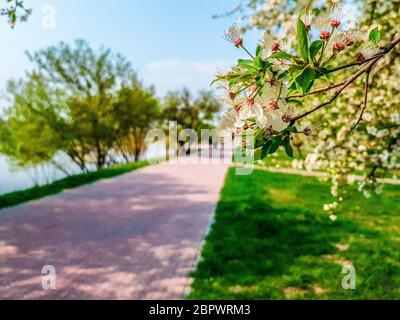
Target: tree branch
point(365, 103)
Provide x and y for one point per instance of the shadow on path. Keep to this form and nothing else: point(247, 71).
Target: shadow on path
point(136, 236)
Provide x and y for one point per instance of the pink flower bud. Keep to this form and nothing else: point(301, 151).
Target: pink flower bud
point(325, 35)
point(238, 42)
point(335, 23)
point(339, 46)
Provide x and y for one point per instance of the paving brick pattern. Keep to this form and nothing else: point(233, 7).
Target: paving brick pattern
point(136, 236)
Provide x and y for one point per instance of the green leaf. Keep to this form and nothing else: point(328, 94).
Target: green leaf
point(275, 145)
point(214, 81)
point(294, 71)
point(305, 80)
point(281, 55)
point(302, 38)
point(374, 35)
point(258, 50)
point(292, 129)
point(258, 154)
point(314, 48)
point(265, 148)
point(271, 146)
point(258, 137)
point(248, 64)
point(288, 148)
point(284, 74)
point(295, 102)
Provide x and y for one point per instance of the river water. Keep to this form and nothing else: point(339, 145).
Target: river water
point(13, 178)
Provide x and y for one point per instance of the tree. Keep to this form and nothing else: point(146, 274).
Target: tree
point(28, 136)
point(90, 80)
point(136, 109)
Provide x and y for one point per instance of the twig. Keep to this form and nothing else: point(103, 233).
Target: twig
point(325, 45)
point(248, 52)
point(365, 103)
point(324, 89)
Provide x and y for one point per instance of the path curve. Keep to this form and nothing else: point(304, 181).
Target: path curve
point(136, 236)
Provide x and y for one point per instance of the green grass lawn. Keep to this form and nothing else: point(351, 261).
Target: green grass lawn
point(14, 198)
point(271, 240)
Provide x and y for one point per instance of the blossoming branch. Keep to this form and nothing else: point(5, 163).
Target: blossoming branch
point(265, 90)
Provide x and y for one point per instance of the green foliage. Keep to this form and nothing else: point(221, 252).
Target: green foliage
point(288, 147)
point(28, 137)
point(270, 240)
point(271, 145)
point(305, 80)
point(282, 55)
point(302, 38)
point(374, 35)
point(315, 47)
point(80, 70)
point(136, 110)
point(247, 72)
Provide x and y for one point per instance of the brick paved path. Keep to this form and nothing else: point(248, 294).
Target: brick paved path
point(136, 236)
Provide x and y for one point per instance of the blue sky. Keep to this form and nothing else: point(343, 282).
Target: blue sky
point(170, 43)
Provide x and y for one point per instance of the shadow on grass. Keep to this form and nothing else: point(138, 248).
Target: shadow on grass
point(270, 240)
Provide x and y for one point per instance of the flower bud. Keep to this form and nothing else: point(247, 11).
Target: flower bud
point(335, 23)
point(339, 46)
point(238, 42)
point(287, 118)
point(307, 132)
point(360, 57)
point(325, 35)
